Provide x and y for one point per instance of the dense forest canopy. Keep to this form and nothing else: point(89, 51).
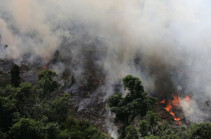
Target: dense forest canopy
point(41, 111)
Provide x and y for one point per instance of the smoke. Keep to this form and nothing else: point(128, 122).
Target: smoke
point(111, 128)
point(165, 43)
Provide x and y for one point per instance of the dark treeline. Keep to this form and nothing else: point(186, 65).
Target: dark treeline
point(41, 111)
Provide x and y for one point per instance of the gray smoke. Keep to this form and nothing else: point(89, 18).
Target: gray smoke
point(165, 43)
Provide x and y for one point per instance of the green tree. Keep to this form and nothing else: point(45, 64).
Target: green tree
point(7, 107)
point(58, 109)
point(15, 75)
point(25, 98)
point(200, 131)
point(27, 128)
point(46, 82)
point(171, 136)
point(151, 137)
point(3, 135)
point(136, 103)
point(52, 131)
point(38, 111)
point(80, 130)
point(131, 133)
point(144, 127)
point(152, 119)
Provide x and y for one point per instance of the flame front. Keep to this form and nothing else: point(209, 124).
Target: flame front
point(174, 103)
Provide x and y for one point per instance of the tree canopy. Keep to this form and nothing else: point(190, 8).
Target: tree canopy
point(15, 75)
point(40, 111)
point(136, 102)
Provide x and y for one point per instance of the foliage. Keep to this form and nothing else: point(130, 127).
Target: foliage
point(15, 75)
point(152, 119)
point(52, 131)
point(41, 111)
point(171, 136)
point(151, 137)
point(164, 130)
point(4, 79)
point(200, 131)
point(3, 135)
point(38, 111)
point(27, 128)
point(131, 133)
point(25, 98)
point(46, 82)
point(144, 127)
point(136, 102)
point(7, 107)
point(80, 130)
point(57, 110)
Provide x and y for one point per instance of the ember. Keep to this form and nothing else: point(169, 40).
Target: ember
point(162, 101)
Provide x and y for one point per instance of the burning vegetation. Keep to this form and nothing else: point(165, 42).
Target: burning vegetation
point(59, 108)
point(90, 51)
point(174, 105)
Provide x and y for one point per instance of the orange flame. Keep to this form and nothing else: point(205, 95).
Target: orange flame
point(163, 101)
point(177, 119)
point(168, 107)
point(175, 102)
point(173, 114)
point(187, 99)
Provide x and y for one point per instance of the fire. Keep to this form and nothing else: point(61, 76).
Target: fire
point(173, 114)
point(187, 99)
point(163, 101)
point(168, 107)
point(177, 119)
point(174, 103)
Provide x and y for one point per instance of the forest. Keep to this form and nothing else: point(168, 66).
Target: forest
point(40, 111)
point(30, 111)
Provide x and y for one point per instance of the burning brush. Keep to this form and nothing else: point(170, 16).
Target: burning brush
point(172, 105)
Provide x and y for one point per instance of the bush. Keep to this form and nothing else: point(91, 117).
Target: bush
point(143, 127)
point(131, 133)
point(15, 75)
point(27, 128)
point(151, 137)
point(200, 131)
